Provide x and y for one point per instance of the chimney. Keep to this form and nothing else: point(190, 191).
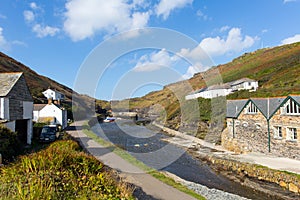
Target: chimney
point(57, 101)
point(50, 101)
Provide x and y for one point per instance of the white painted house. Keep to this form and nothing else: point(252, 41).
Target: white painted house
point(211, 92)
point(225, 89)
point(16, 105)
point(55, 95)
point(52, 112)
point(244, 84)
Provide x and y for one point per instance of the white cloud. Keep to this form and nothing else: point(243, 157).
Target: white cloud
point(224, 28)
point(84, 18)
point(33, 6)
point(193, 69)
point(165, 7)
point(290, 40)
point(2, 16)
point(4, 45)
point(28, 16)
point(44, 31)
point(288, 1)
point(202, 15)
point(155, 61)
point(234, 42)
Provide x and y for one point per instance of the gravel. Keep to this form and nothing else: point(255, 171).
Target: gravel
point(209, 194)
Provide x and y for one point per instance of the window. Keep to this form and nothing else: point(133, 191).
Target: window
point(251, 109)
point(291, 107)
point(278, 132)
point(291, 134)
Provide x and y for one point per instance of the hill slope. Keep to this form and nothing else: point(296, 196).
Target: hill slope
point(36, 83)
point(276, 69)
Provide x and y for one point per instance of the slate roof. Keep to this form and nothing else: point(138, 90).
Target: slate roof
point(268, 106)
point(7, 82)
point(235, 107)
point(295, 98)
point(242, 80)
point(38, 107)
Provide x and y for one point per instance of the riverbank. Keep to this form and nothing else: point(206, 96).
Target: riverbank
point(245, 169)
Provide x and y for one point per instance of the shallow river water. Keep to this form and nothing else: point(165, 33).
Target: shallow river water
point(148, 147)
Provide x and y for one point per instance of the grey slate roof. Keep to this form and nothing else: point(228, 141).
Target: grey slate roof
point(235, 107)
point(268, 106)
point(295, 98)
point(239, 81)
point(38, 107)
point(7, 81)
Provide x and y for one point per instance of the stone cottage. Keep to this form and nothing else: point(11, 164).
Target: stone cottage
point(267, 125)
point(16, 105)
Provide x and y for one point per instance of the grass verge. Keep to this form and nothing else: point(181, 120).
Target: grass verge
point(126, 156)
point(61, 171)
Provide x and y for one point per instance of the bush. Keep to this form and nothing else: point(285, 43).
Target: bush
point(61, 171)
point(10, 144)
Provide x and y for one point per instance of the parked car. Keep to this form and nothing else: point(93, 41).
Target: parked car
point(49, 133)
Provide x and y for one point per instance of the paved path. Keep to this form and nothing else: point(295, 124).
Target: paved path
point(154, 188)
point(273, 162)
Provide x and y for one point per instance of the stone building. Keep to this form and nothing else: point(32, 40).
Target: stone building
point(16, 105)
point(267, 125)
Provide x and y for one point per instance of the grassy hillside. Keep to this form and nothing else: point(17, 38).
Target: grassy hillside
point(276, 69)
point(37, 84)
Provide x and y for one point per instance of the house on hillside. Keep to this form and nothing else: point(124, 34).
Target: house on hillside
point(51, 113)
point(244, 84)
point(53, 94)
point(16, 105)
point(211, 92)
point(224, 89)
point(267, 125)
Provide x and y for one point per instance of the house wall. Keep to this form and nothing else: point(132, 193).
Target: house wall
point(54, 111)
point(36, 115)
point(27, 110)
point(11, 125)
point(4, 108)
point(214, 93)
point(251, 135)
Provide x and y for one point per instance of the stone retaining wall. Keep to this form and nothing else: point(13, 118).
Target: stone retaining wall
point(286, 180)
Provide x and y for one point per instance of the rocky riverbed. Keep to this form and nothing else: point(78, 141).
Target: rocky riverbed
point(144, 143)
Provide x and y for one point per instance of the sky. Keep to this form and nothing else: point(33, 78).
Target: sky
point(126, 48)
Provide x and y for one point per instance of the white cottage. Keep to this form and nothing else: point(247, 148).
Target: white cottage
point(52, 113)
point(53, 94)
point(244, 84)
point(224, 89)
point(16, 105)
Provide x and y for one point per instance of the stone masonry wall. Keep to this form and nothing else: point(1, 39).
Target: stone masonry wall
point(251, 135)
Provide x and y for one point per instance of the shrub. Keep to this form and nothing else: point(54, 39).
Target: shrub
point(10, 144)
point(61, 171)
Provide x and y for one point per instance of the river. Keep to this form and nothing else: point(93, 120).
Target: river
point(147, 146)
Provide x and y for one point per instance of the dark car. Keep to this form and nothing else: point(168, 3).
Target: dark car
point(49, 133)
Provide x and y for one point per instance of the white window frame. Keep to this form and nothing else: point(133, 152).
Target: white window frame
point(278, 132)
point(291, 108)
point(291, 134)
point(251, 109)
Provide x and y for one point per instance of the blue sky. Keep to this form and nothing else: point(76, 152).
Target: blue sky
point(54, 38)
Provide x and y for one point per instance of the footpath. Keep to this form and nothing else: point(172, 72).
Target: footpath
point(153, 188)
point(273, 162)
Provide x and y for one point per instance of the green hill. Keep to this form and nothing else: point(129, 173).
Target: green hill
point(277, 71)
point(38, 83)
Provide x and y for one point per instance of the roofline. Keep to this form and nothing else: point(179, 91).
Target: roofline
point(286, 98)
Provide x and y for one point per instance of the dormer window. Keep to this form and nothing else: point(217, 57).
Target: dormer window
point(251, 109)
point(291, 108)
